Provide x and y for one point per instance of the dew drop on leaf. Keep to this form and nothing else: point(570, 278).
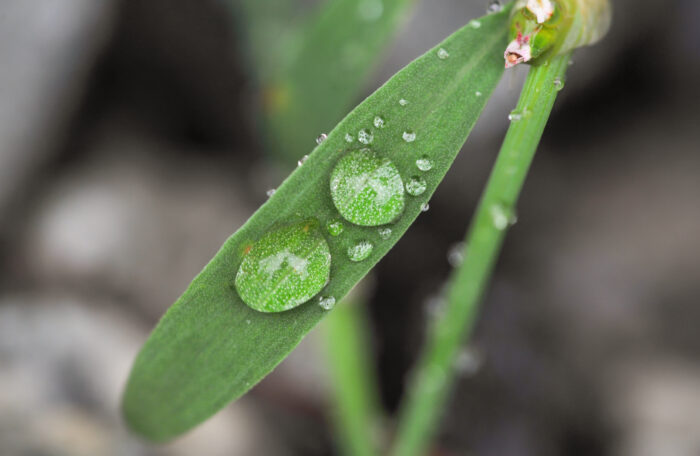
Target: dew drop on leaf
point(320, 138)
point(416, 186)
point(478, 94)
point(270, 192)
point(365, 136)
point(360, 251)
point(302, 160)
point(408, 136)
point(515, 116)
point(494, 7)
point(335, 227)
point(349, 138)
point(475, 24)
point(442, 54)
point(424, 163)
point(425, 207)
point(455, 254)
point(384, 232)
point(403, 102)
point(326, 302)
point(468, 362)
point(558, 84)
point(378, 122)
point(366, 189)
point(502, 217)
point(285, 268)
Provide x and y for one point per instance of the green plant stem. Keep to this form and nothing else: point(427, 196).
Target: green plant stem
point(430, 387)
point(356, 413)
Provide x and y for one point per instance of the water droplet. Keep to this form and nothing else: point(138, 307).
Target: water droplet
point(370, 10)
point(270, 192)
point(475, 24)
point(303, 160)
point(403, 102)
point(284, 268)
point(416, 186)
point(378, 122)
point(349, 138)
point(320, 138)
point(515, 116)
point(435, 306)
point(424, 163)
point(335, 227)
point(425, 207)
point(502, 217)
point(442, 54)
point(360, 251)
point(365, 136)
point(468, 362)
point(408, 136)
point(455, 254)
point(571, 62)
point(366, 189)
point(494, 7)
point(384, 233)
point(558, 84)
point(478, 94)
point(326, 302)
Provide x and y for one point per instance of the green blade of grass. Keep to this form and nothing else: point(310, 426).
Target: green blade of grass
point(210, 348)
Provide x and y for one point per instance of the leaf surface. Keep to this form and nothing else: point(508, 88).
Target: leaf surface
point(210, 347)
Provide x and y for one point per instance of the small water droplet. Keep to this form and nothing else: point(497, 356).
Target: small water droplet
point(302, 160)
point(515, 116)
point(349, 138)
point(416, 186)
point(424, 163)
point(284, 268)
point(435, 306)
point(425, 207)
point(378, 122)
point(494, 7)
point(558, 84)
point(468, 362)
point(247, 322)
point(367, 189)
point(502, 217)
point(403, 102)
point(326, 302)
point(475, 24)
point(384, 232)
point(335, 227)
point(455, 254)
point(442, 54)
point(571, 62)
point(270, 192)
point(360, 251)
point(478, 94)
point(408, 136)
point(320, 138)
point(365, 136)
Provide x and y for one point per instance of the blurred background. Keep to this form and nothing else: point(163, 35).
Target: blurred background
point(135, 137)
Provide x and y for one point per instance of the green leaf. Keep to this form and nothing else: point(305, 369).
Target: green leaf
point(210, 347)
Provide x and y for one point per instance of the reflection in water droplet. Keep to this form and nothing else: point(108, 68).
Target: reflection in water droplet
point(442, 54)
point(494, 7)
point(408, 136)
point(320, 138)
point(326, 302)
point(366, 189)
point(303, 160)
point(455, 254)
point(424, 163)
point(384, 232)
point(403, 102)
point(284, 268)
point(378, 122)
point(349, 138)
point(425, 207)
point(558, 83)
point(335, 227)
point(365, 136)
point(360, 251)
point(416, 186)
point(270, 192)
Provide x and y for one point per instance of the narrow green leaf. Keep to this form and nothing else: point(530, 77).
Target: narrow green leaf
point(210, 347)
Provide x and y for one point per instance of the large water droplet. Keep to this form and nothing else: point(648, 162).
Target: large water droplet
point(403, 102)
point(335, 227)
point(384, 232)
point(424, 163)
point(326, 302)
point(494, 7)
point(442, 54)
point(378, 122)
point(408, 136)
point(349, 138)
point(365, 136)
point(366, 189)
point(320, 138)
point(416, 186)
point(360, 251)
point(285, 268)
